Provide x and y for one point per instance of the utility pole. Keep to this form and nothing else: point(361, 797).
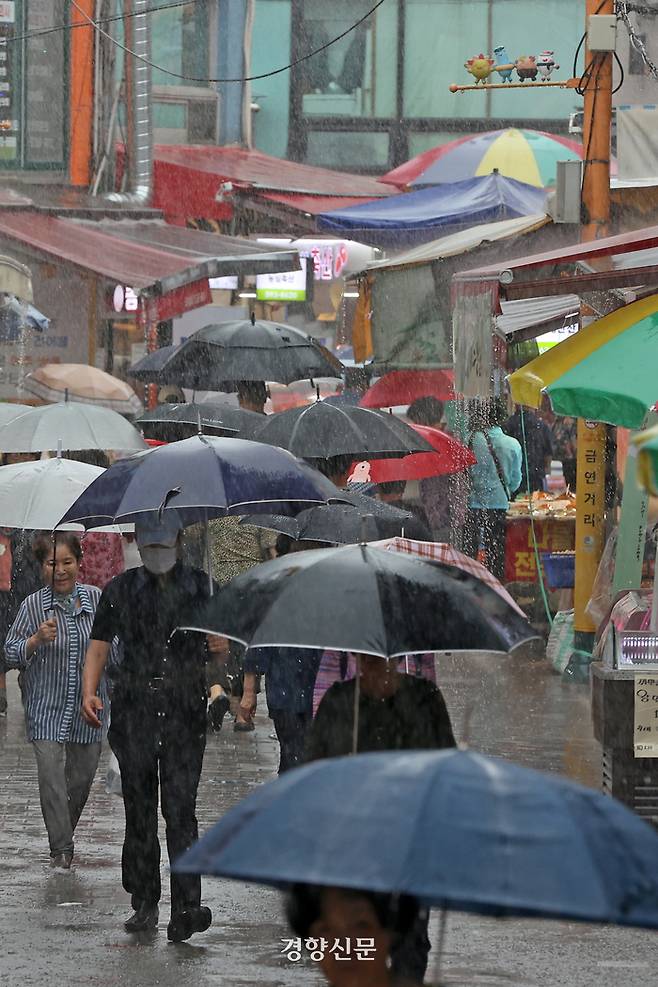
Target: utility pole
point(591, 459)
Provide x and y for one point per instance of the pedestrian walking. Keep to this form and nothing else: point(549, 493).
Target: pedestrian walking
point(528, 428)
point(494, 480)
point(158, 727)
point(395, 712)
point(47, 642)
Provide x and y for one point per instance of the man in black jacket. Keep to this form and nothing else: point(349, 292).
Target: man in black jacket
point(395, 712)
point(158, 725)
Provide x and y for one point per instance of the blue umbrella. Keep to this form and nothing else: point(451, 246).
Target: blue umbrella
point(202, 477)
point(454, 828)
point(16, 316)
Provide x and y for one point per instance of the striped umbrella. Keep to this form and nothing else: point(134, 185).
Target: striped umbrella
point(529, 156)
point(606, 372)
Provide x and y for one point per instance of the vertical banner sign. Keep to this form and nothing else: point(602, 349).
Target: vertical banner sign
point(45, 102)
point(9, 122)
point(645, 736)
point(590, 496)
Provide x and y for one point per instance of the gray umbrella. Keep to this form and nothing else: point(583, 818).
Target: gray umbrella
point(69, 425)
point(170, 422)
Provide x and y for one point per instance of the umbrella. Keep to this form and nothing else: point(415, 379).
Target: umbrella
point(339, 524)
point(179, 421)
point(16, 315)
point(606, 373)
point(217, 356)
point(201, 477)
point(8, 412)
point(443, 552)
point(69, 425)
point(34, 495)
point(529, 156)
point(450, 456)
point(362, 599)
point(80, 382)
point(149, 368)
point(323, 430)
point(463, 831)
point(404, 386)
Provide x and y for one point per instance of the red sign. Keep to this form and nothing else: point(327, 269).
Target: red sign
point(552, 536)
point(176, 302)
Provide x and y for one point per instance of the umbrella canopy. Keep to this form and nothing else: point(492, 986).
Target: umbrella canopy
point(148, 370)
point(79, 382)
point(69, 425)
point(170, 422)
point(405, 386)
point(340, 524)
point(214, 357)
point(16, 315)
point(201, 477)
point(323, 430)
point(450, 456)
point(464, 831)
point(606, 372)
point(8, 412)
point(366, 600)
point(529, 156)
point(442, 552)
point(425, 213)
point(35, 495)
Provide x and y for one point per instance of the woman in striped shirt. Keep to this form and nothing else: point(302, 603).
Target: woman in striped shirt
point(47, 642)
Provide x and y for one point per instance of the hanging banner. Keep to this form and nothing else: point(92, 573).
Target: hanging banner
point(472, 330)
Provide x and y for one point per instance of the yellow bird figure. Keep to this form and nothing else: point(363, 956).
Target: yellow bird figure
point(480, 67)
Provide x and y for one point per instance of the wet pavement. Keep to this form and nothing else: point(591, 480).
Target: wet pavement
point(64, 929)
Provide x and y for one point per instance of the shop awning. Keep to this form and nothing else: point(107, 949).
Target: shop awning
point(206, 182)
point(158, 261)
point(414, 216)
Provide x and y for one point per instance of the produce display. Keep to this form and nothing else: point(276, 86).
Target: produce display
point(544, 505)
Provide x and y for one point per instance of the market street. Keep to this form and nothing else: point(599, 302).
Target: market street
point(66, 928)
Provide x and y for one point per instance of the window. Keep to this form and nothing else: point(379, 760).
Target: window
point(355, 77)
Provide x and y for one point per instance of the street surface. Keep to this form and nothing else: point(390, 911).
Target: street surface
point(64, 929)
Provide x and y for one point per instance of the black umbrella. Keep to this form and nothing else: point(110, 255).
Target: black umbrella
point(343, 524)
point(170, 422)
point(322, 430)
point(217, 356)
point(362, 599)
point(149, 368)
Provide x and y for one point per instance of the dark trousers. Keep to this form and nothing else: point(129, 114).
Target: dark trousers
point(173, 755)
point(410, 954)
point(492, 525)
point(291, 730)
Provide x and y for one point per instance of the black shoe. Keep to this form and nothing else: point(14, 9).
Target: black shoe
point(145, 917)
point(185, 924)
point(217, 710)
point(62, 861)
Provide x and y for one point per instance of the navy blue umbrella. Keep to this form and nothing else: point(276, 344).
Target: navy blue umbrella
point(202, 477)
point(454, 828)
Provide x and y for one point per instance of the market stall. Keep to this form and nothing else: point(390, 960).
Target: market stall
point(553, 518)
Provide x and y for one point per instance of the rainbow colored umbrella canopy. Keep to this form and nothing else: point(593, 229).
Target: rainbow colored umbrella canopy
point(529, 156)
point(606, 372)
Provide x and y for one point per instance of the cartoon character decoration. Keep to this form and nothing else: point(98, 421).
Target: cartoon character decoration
point(360, 473)
point(546, 64)
point(526, 67)
point(480, 67)
point(504, 67)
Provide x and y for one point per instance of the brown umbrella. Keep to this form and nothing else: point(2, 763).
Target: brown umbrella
point(78, 382)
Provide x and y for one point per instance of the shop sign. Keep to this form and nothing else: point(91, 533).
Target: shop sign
point(124, 299)
point(286, 286)
point(174, 303)
point(552, 536)
point(229, 283)
point(645, 737)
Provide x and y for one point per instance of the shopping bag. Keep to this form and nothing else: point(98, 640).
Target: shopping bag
point(560, 645)
point(113, 777)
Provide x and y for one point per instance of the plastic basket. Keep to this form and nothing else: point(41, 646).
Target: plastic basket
point(559, 568)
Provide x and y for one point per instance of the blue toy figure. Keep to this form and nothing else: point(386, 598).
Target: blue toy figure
point(502, 58)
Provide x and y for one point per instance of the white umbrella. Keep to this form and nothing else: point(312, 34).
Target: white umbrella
point(36, 495)
point(69, 425)
point(10, 411)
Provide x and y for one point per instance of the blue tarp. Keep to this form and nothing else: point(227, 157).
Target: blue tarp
point(413, 217)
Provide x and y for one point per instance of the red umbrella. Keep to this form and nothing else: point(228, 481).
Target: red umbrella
point(404, 386)
point(450, 457)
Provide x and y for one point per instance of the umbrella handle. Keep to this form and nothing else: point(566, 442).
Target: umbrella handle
point(52, 575)
point(357, 697)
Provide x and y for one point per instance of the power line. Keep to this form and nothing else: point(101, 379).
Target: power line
point(57, 28)
point(248, 78)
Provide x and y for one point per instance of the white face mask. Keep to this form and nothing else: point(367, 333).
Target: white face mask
point(158, 559)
